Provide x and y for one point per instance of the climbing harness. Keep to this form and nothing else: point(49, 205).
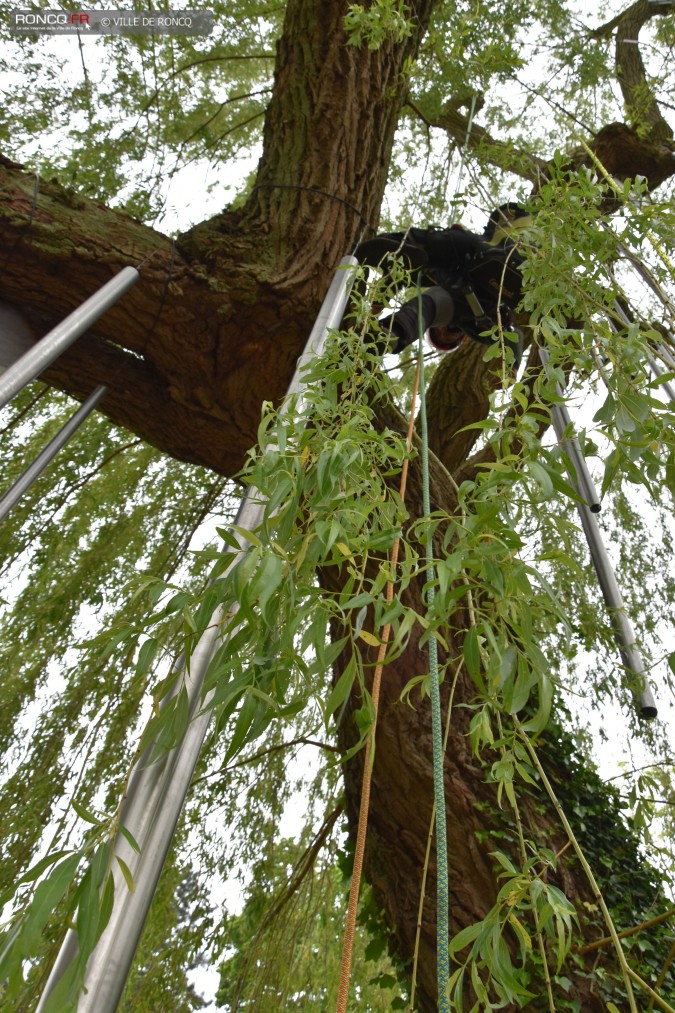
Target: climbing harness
point(472, 282)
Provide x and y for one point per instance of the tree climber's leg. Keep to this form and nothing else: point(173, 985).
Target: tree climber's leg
point(438, 309)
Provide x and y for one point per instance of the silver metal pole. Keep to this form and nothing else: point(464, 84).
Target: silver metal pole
point(46, 456)
point(43, 353)
point(157, 793)
point(623, 630)
point(581, 477)
point(560, 416)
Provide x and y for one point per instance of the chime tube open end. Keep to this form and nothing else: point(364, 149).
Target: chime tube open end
point(635, 672)
point(646, 705)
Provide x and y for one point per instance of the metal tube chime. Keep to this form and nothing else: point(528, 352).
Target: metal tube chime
point(45, 351)
point(29, 365)
point(584, 483)
point(157, 793)
point(581, 480)
point(46, 456)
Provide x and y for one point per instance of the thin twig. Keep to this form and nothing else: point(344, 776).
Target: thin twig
point(300, 741)
point(628, 932)
point(621, 956)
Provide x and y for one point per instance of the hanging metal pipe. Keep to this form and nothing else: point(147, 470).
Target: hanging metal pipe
point(623, 630)
point(580, 476)
point(157, 793)
point(46, 456)
point(560, 416)
point(45, 351)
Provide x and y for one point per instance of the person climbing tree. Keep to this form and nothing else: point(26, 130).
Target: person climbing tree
point(473, 283)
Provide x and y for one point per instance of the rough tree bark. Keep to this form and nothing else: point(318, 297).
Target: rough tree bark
point(402, 791)
point(215, 325)
point(214, 328)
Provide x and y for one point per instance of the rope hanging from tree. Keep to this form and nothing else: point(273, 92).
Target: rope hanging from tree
point(442, 896)
point(442, 903)
point(352, 907)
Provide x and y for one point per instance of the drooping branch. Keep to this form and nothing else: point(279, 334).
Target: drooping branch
point(499, 153)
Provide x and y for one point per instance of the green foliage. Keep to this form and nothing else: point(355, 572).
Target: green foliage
point(89, 510)
point(503, 961)
point(381, 20)
point(311, 468)
point(102, 591)
point(292, 961)
point(172, 99)
point(171, 945)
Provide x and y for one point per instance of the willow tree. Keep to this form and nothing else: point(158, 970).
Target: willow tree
point(363, 115)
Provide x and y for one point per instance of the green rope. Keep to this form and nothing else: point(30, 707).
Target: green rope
point(442, 893)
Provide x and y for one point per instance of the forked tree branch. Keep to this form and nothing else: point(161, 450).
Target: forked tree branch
point(640, 101)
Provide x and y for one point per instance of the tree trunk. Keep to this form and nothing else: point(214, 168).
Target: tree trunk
point(214, 327)
point(402, 794)
point(216, 323)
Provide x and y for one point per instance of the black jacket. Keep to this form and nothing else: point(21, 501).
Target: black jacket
point(482, 276)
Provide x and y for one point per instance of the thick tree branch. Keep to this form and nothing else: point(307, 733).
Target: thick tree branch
point(172, 361)
point(624, 154)
point(458, 396)
point(639, 98)
point(215, 325)
point(641, 105)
